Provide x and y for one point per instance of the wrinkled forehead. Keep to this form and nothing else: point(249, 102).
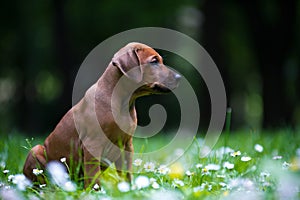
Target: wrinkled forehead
point(136, 45)
point(142, 49)
point(144, 52)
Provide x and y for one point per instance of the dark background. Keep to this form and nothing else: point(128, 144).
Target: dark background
point(255, 46)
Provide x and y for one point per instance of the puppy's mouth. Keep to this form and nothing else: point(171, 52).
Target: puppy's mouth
point(159, 88)
point(152, 88)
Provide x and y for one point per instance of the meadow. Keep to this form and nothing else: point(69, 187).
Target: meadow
point(243, 165)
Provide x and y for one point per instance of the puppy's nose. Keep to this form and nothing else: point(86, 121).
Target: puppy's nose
point(177, 77)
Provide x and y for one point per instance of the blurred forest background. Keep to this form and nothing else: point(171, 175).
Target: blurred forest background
point(255, 45)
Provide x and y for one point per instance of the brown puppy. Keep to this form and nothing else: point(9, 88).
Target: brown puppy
point(101, 125)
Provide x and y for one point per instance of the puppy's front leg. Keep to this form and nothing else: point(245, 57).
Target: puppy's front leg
point(92, 170)
point(126, 160)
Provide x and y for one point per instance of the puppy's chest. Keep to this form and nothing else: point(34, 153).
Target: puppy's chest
point(119, 132)
point(116, 143)
point(119, 125)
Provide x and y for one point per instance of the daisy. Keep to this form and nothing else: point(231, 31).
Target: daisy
point(228, 165)
point(277, 157)
point(149, 167)
point(123, 186)
point(258, 148)
point(245, 158)
point(96, 186)
point(152, 180)
point(21, 181)
point(199, 166)
point(37, 171)
point(221, 176)
point(177, 183)
point(205, 171)
point(222, 184)
point(58, 173)
point(142, 182)
point(235, 154)
point(189, 173)
point(285, 165)
point(10, 177)
point(155, 185)
point(212, 167)
point(137, 162)
point(264, 174)
point(69, 186)
point(163, 169)
point(223, 150)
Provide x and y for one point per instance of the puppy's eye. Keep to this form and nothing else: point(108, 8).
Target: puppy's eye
point(154, 61)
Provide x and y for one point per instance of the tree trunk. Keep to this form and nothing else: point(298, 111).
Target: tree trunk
point(272, 38)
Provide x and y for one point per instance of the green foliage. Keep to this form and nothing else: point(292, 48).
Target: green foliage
point(263, 166)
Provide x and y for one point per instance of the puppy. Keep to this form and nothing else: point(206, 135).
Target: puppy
point(96, 130)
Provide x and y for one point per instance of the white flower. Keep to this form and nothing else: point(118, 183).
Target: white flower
point(6, 171)
point(177, 183)
point(137, 162)
point(258, 148)
point(205, 171)
point(155, 185)
point(277, 157)
point(223, 150)
point(222, 184)
point(142, 182)
point(209, 188)
point(189, 173)
point(149, 166)
point(102, 191)
point(212, 167)
point(163, 169)
point(265, 174)
point(96, 186)
point(10, 177)
point(228, 165)
point(235, 154)
point(152, 180)
point(285, 165)
point(37, 171)
point(198, 189)
point(69, 186)
point(42, 185)
point(165, 194)
point(21, 181)
point(63, 160)
point(123, 186)
point(199, 166)
point(245, 158)
point(58, 173)
point(246, 184)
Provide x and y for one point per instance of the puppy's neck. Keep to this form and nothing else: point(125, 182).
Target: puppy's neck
point(119, 91)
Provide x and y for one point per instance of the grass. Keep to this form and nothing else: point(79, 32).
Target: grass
point(245, 170)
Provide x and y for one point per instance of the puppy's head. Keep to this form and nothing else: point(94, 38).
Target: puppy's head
point(144, 65)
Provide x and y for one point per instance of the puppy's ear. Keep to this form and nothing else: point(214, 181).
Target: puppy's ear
point(129, 64)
